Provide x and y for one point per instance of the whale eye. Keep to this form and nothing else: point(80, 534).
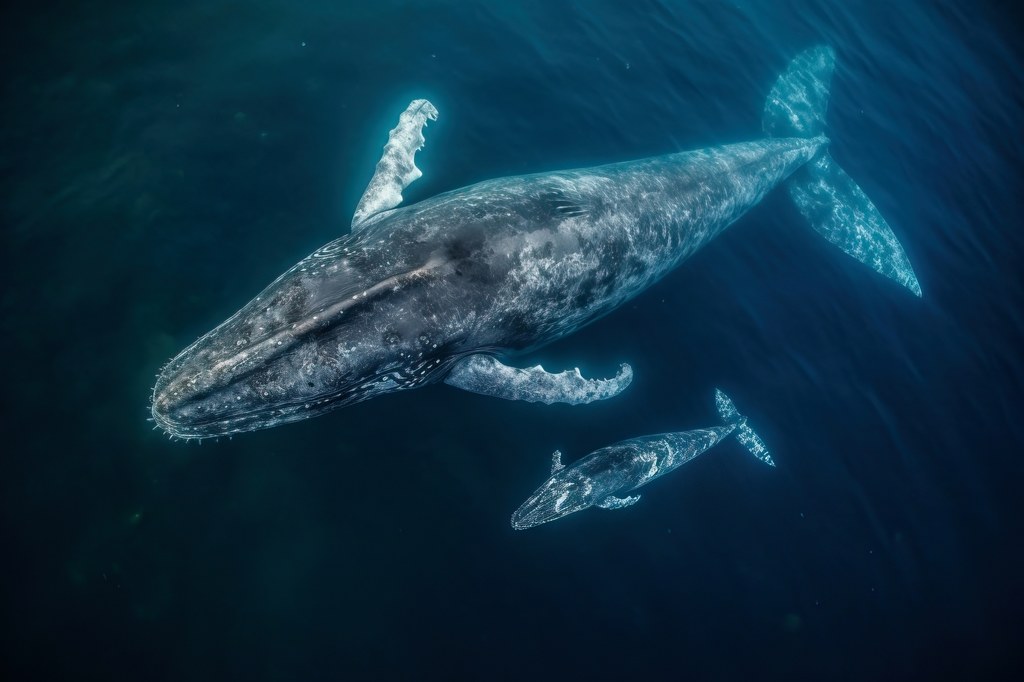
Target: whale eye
point(392, 338)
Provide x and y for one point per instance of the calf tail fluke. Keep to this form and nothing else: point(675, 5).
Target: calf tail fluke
point(827, 197)
point(744, 434)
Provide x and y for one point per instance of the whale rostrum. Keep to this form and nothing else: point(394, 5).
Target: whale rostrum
point(454, 288)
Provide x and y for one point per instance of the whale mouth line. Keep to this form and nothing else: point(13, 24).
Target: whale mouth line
point(194, 428)
point(351, 394)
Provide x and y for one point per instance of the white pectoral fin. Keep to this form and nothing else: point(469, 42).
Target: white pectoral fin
point(612, 502)
point(396, 169)
point(556, 461)
point(485, 375)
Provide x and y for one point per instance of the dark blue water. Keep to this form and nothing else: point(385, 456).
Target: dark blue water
point(161, 162)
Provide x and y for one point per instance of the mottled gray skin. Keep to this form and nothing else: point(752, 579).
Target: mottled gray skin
point(600, 477)
point(499, 267)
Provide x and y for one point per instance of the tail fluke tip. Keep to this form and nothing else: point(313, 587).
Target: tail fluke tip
point(835, 206)
point(744, 434)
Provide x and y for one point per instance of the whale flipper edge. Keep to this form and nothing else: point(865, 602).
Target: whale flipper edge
point(612, 502)
point(396, 169)
point(486, 375)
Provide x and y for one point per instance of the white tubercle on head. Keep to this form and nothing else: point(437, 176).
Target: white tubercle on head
point(396, 169)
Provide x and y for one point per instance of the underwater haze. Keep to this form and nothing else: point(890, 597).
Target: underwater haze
point(162, 162)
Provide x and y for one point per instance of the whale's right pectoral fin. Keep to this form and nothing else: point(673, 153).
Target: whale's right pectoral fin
point(396, 169)
point(612, 502)
point(485, 375)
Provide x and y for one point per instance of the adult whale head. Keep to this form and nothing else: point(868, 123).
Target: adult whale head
point(439, 289)
point(340, 327)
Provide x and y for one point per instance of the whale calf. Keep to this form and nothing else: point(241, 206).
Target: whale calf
point(452, 288)
point(598, 479)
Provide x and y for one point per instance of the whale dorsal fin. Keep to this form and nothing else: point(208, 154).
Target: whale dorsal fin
point(612, 502)
point(556, 461)
point(396, 169)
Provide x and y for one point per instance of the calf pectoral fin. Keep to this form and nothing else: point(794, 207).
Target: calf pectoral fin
point(486, 375)
point(612, 502)
point(396, 169)
point(556, 461)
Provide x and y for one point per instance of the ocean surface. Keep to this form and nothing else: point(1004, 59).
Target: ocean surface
point(161, 162)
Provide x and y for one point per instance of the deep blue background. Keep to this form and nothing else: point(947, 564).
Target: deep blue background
point(161, 163)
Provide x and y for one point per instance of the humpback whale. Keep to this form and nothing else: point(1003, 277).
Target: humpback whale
point(452, 288)
point(597, 479)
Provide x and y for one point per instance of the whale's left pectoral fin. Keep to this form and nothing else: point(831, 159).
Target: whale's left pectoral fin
point(612, 502)
point(396, 169)
point(486, 375)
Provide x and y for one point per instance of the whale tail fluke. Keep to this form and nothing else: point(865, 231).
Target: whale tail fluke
point(827, 197)
point(744, 434)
